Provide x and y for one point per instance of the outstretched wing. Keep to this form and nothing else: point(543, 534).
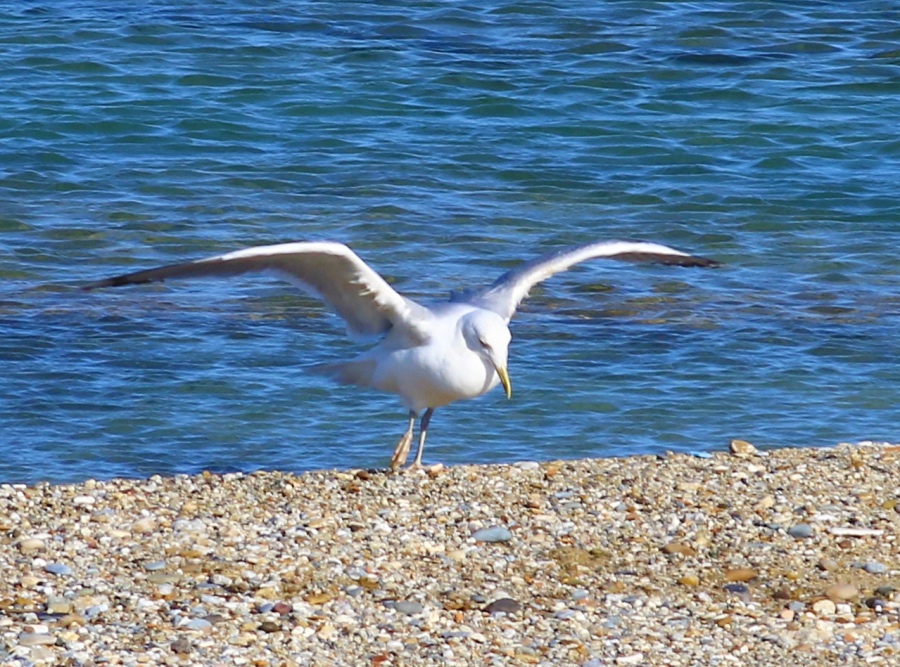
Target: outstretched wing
point(507, 292)
point(330, 271)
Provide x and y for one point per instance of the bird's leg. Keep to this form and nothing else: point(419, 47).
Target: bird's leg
point(401, 451)
point(423, 428)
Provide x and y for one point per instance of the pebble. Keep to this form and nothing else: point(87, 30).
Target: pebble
point(827, 564)
point(58, 569)
point(30, 544)
point(851, 531)
point(801, 531)
point(282, 608)
point(679, 548)
point(505, 605)
point(492, 534)
point(841, 591)
point(197, 624)
point(738, 589)
point(689, 580)
point(144, 525)
point(408, 607)
point(36, 639)
point(741, 574)
point(765, 503)
point(824, 607)
point(742, 448)
point(59, 605)
point(874, 567)
point(42, 654)
point(182, 646)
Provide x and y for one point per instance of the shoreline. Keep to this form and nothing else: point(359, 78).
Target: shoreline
point(788, 556)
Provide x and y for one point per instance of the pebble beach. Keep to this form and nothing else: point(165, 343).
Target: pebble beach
point(784, 557)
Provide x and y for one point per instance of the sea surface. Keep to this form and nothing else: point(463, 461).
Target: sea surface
point(445, 142)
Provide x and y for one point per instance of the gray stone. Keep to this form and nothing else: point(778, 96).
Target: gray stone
point(198, 624)
point(96, 610)
point(492, 534)
point(408, 607)
point(801, 531)
point(182, 646)
point(505, 605)
point(58, 569)
point(874, 567)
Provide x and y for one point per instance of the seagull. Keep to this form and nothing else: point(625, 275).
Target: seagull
point(428, 356)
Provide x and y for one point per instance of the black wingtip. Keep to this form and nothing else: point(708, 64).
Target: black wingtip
point(704, 262)
point(670, 260)
point(117, 281)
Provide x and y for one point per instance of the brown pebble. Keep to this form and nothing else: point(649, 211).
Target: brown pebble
point(144, 525)
point(783, 594)
point(269, 626)
point(679, 548)
point(741, 574)
point(689, 580)
point(70, 619)
point(30, 544)
point(766, 503)
point(841, 592)
point(282, 608)
point(742, 448)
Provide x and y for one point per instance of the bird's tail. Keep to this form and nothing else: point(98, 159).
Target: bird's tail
point(358, 372)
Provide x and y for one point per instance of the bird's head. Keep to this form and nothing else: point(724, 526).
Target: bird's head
point(486, 333)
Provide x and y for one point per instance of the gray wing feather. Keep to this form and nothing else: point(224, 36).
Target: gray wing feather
point(507, 292)
point(330, 271)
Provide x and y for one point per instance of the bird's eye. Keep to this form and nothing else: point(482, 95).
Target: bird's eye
point(483, 343)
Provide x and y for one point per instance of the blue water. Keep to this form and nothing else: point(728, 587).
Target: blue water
point(446, 141)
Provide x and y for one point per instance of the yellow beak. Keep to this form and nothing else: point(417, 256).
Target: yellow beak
point(504, 380)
